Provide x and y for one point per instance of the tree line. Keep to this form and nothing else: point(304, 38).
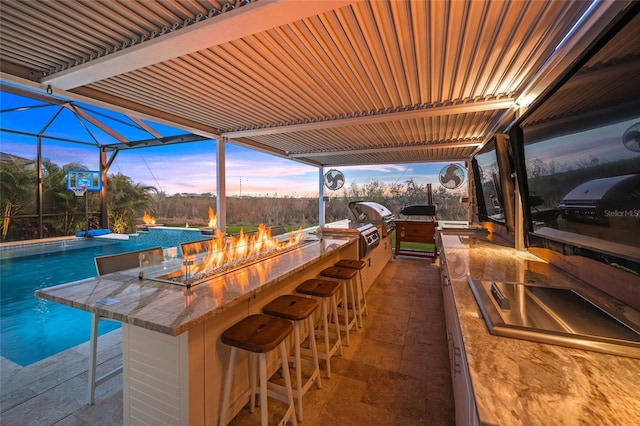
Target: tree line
point(303, 212)
point(64, 214)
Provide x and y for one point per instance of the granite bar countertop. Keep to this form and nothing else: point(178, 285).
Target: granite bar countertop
point(172, 309)
point(519, 382)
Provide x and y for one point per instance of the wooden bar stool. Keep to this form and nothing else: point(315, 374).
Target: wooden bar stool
point(345, 276)
point(361, 298)
point(259, 334)
point(326, 291)
point(297, 309)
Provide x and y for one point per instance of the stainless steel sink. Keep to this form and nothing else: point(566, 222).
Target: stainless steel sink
point(559, 316)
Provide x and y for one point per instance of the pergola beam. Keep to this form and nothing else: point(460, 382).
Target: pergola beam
point(385, 149)
point(241, 22)
point(380, 117)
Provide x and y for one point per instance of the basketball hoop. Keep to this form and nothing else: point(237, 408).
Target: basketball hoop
point(79, 190)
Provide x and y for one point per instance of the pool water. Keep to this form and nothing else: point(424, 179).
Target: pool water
point(32, 329)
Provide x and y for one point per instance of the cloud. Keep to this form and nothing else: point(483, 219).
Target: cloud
point(192, 168)
point(267, 167)
point(384, 168)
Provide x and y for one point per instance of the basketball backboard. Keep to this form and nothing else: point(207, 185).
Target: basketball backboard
point(84, 178)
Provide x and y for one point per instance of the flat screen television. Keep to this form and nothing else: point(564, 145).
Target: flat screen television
point(492, 172)
point(579, 153)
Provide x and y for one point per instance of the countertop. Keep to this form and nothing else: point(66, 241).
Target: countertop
point(518, 382)
point(173, 309)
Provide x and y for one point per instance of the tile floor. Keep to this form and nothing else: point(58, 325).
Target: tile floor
point(396, 371)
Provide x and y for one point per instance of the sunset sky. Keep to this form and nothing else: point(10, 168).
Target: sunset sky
point(192, 168)
point(189, 167)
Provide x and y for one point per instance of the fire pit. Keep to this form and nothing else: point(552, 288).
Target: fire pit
point(149, 221)
point(227, 254)
point(211, 225)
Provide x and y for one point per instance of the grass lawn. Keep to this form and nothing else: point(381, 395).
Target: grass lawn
point(412, 246)
point(231, 229)
point(235, 229)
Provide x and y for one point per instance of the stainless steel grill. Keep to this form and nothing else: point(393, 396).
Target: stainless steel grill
point(374, 213)
point(419, 210)
point(369, 237)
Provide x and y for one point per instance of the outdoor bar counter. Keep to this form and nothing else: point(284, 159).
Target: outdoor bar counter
point(508, 381)
point(173, 359)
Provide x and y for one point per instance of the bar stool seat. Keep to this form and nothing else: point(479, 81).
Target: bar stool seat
point(325, 290)
point(259, 334)
point(297, 309)
point(345, 276)
point(361, 298)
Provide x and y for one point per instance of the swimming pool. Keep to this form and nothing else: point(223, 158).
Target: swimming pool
point(32, 329)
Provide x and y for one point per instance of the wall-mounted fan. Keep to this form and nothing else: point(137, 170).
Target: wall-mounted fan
point(452, 176)
point(631, 138)
point(333, 179)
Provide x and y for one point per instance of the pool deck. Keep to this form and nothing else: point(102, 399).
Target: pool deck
point(395, 372)
point(54, 391)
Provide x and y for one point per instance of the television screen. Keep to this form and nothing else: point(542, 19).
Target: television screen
point(494, 184)
point(487, 177)
point(582, 152)
point(587, 182)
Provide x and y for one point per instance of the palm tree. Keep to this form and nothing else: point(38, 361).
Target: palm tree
point(125, 201)
point(17, 192)
point(68, 210)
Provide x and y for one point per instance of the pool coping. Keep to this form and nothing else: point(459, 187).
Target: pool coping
point(35, 241)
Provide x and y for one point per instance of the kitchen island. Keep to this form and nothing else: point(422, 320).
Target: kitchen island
point(507, 381)
point(173, 359)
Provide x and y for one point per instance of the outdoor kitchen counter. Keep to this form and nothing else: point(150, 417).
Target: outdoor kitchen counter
point(523, 382)
point(172, 308)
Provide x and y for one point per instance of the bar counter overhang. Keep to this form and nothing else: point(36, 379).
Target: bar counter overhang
point(173, 360)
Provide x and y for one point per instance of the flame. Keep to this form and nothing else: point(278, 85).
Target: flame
point(229, 251)
point(148, 219)
point(213, 220)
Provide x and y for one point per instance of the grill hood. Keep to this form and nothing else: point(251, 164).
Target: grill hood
point(367, 211)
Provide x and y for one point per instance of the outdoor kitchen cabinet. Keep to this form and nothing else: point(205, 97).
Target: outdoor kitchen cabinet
point(503, 381)
point(414, 231)
point(465, 406)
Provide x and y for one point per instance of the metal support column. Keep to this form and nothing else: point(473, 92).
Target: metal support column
point(104, 213)
point(105, 165)
point(221, 193)
point(471, 198)
point(321, 200)
point(519, 231)
point(40, 189)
